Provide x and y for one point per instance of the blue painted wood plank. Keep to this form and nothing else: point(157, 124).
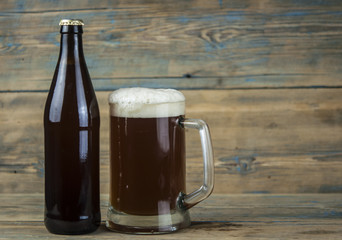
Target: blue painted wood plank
point(241, 46)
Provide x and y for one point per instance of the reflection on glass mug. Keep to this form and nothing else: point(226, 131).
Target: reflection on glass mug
point(147, 161)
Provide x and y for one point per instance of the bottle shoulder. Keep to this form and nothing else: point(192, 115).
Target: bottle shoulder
point(78, 106)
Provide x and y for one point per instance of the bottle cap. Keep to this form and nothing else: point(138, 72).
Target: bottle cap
point(71, 22)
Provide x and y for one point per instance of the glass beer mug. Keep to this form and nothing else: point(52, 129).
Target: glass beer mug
point(147, 161)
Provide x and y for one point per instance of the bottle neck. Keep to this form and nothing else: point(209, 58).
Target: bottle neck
point(71, 44)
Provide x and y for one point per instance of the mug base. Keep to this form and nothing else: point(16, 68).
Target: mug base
point(136, 224)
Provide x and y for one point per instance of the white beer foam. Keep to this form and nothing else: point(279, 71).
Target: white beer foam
point(146, 103)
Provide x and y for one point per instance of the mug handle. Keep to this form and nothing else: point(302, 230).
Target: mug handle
point(187, 201)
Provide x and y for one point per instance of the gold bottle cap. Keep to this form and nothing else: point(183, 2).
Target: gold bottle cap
point(74, 22)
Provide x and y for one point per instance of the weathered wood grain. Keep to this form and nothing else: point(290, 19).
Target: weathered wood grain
point(238, 216)
point(274, 110)
point(39, 6)
point(221, 207)
point(265, 141)
point(182, 44)
point(289, 229)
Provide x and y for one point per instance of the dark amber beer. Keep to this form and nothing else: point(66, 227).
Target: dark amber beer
point(71, 127)
point(149, 173)
point(147, 160)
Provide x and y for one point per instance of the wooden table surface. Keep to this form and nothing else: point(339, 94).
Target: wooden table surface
point(221, 216)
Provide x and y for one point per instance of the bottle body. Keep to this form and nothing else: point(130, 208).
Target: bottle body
point(71, 131)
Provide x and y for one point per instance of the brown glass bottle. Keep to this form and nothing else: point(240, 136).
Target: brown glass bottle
point(71, 129)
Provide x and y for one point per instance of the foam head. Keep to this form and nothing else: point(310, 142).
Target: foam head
point(146, 103)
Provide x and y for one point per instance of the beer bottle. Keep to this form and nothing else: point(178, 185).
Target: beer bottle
point(71, 131)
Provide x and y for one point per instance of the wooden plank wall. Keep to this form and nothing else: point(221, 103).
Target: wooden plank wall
point(265, 75)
